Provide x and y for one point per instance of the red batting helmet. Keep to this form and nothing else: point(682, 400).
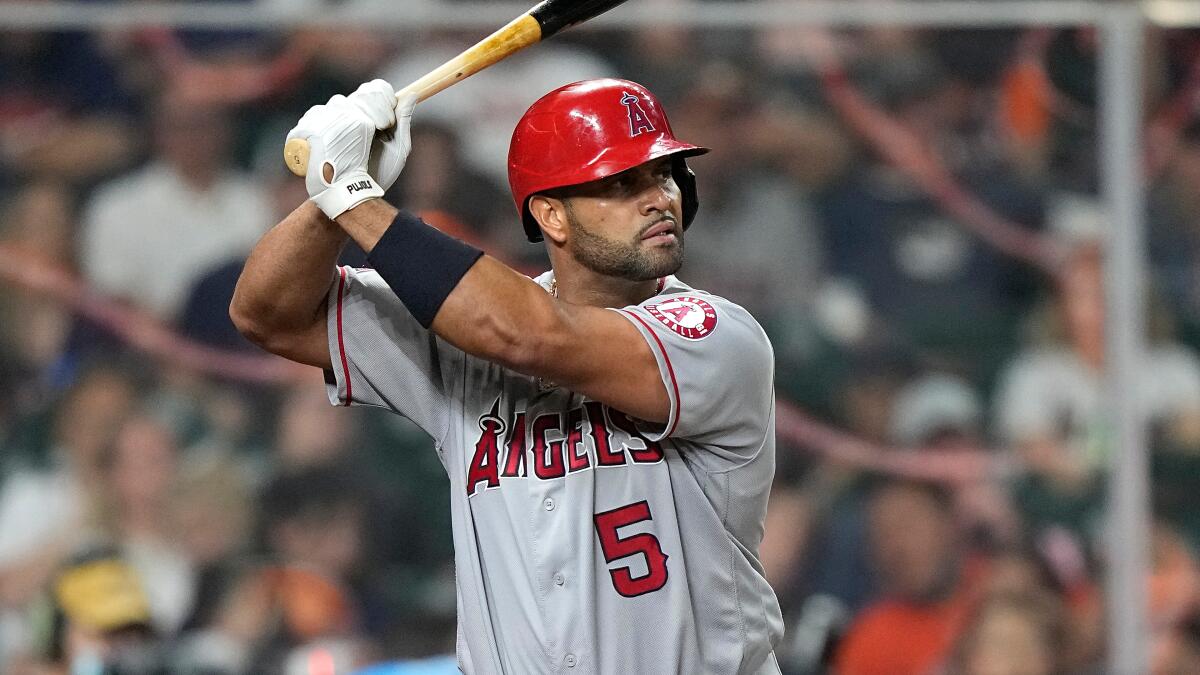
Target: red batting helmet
point(590, 130)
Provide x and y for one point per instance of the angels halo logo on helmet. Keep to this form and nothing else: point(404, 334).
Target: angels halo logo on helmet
point(639, 121)
point(590, 130)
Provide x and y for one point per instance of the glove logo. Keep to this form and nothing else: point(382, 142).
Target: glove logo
point(689, 316)
point(360, 185)
point(639, 121)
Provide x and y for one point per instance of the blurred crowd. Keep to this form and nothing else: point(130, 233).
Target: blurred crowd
point(155, 519)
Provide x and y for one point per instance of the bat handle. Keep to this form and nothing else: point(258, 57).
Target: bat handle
point(295, 155)
point(518, 34)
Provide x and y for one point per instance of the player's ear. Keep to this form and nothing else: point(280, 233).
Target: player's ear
point(551, 215)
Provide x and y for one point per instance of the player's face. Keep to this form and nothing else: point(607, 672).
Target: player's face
point(628, 225)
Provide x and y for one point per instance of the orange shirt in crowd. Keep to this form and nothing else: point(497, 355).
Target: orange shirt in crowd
point(899, 637)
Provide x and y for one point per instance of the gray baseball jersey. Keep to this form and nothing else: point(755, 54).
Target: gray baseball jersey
point(587, 541)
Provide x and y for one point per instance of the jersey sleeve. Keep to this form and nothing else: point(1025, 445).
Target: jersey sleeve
point(718, 368)
point(383, 357)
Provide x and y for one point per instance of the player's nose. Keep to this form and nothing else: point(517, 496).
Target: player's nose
point(658, 197)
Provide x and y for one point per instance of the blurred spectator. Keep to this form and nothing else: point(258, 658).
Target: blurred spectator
point(214, 514)
point(396, 476)
point(301, 603)
point(1179, 652)
point(205, 313)
point(1173, 235)
point(1049, 578)
point(64, 105)
point(228, 641)
point(1174, 581)
point(928, 584)
point(150, 234)
point(866, 399)
point(790, 517)
point(47, 501)
point(96, 619)
point(787, 545)
point(314, 520)
point(38, 226)
point(314, 528)
point(938, 411)
point(415, 595)
point(656, 53)
point(334, 62)
point(914, 264)
point(1072, 72)
point(142, 520)
point(1174, 482)
point(916, 267)
point(313, 434)
point(1050, 408)
point(837, 568)
point(1012, 635)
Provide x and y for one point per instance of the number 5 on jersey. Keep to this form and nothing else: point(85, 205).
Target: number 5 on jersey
point(615, 547)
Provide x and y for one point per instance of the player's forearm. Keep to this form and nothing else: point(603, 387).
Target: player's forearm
point(367, 222)
point(286, 280)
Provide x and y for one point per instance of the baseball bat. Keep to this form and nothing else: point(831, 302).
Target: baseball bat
point(539, 23)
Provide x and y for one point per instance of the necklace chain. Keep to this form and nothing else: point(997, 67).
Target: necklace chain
point(543, 383)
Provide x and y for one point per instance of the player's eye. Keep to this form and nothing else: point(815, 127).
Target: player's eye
point(624, 182)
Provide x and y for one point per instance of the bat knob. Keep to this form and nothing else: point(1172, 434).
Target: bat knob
point(295, 155)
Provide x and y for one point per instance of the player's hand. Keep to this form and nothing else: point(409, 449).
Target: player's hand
point(339, 135)
point(391, 146)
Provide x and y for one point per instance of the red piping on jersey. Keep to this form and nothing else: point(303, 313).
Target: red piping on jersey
point(341, 344)
point(670, 370)
point(662, 283)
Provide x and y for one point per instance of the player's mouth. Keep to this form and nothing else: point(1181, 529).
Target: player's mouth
point(662, 232)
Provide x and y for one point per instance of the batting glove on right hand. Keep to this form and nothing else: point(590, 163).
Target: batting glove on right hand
point(339, 136)
point(391, 146)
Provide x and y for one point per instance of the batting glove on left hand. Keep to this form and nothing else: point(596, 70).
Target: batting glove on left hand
point(339, 136)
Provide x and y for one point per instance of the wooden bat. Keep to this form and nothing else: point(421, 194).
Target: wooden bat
point(539, 23)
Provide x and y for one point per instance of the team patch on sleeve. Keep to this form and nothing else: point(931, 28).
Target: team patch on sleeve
point(687, 315)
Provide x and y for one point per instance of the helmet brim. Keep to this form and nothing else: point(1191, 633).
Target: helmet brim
point(602, 168)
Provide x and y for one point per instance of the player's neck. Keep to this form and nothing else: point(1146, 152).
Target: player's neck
point(584, 287)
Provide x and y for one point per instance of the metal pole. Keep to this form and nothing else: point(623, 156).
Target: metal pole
point(1127, 524)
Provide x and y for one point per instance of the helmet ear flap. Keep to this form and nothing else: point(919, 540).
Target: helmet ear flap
point(685, 179)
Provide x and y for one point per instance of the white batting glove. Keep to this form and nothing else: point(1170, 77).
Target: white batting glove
point(339, 135)
point(391, 146)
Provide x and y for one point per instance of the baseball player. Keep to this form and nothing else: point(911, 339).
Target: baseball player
point(608, 430)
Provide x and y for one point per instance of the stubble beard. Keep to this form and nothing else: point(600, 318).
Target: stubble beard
point(625, 260)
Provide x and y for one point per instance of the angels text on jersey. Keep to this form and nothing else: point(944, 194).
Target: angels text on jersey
point(553, 444)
